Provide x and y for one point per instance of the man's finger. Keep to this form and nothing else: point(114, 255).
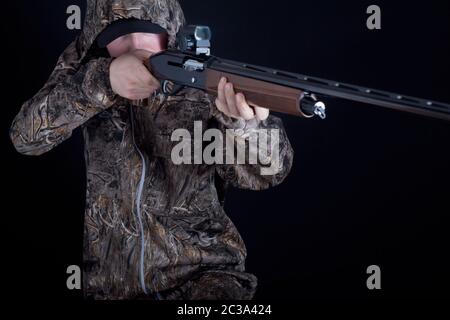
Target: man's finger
point(221, 106)
point(245, 111)
point(136, 94)
point(230, 97)
point(221, 100)
point(261, 113)
point(147, 78)
point(221, 90)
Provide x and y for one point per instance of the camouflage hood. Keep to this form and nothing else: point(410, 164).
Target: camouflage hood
point(101, 13)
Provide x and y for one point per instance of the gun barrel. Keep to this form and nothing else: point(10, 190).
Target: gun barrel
point(327, 88)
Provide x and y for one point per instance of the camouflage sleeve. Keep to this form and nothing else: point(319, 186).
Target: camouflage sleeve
point(72, 95)
point(273, 152)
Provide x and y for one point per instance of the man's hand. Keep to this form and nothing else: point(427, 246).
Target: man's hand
point(234, 104)
point(130, 78)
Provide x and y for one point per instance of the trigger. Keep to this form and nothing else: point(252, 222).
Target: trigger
point(169, 88)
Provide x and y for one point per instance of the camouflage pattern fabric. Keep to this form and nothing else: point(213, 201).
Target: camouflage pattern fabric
point(192, 248)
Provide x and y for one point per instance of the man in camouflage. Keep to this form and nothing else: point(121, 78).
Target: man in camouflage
point(192, 250)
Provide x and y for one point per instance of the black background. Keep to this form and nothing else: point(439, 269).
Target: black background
point(368, 185)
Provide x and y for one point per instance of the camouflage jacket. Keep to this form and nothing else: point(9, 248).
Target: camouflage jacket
point(192, 249)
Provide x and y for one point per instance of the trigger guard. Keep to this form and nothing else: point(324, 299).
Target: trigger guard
point(176, 88)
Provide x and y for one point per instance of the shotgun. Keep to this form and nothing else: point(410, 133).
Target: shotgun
point(192, 65)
